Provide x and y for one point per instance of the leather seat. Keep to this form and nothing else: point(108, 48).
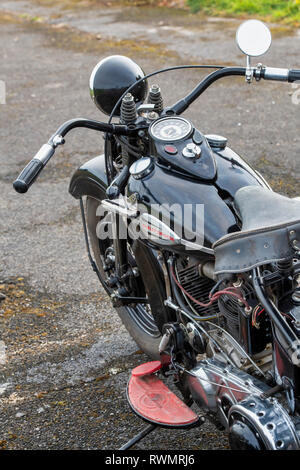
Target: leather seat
point(260, 207)
point(270, 231)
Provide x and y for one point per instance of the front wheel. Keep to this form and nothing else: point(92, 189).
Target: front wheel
point(138, 319)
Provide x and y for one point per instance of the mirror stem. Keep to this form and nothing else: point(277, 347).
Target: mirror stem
point(249, 71)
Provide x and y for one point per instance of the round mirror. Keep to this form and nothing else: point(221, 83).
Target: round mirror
point(253, 38)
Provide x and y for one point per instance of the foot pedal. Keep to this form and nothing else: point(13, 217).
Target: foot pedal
point(146, 369)
point(154, 402)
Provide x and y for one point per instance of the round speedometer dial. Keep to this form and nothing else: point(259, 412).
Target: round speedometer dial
point(169, 129)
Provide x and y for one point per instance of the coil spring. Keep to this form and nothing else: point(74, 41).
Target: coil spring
point(128, 109)
point(285, 266)
point(128, 115)
point(155, 98)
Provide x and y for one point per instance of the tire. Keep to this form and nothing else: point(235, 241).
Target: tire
point(137, 320)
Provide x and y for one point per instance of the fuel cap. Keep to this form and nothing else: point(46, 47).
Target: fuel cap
point(191, 151)
point(216, 141)
point(141, 168)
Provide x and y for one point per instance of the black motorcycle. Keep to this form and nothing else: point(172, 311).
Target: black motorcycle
point(199, 256)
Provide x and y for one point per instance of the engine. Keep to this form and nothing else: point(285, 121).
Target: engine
point(252, 332)
point(252, 335)
point(198, 287)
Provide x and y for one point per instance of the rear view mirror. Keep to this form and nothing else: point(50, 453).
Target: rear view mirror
point(253, 38)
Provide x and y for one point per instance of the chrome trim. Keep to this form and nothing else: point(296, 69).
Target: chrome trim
point(170, 139)
point(273, 73)
point(58, 140)
point(270, 420)
point(44, 154)
point(177, 240)
point(195, 246)
point(191, 151)
point(124, 209)
point(212, 381)
point(141, 168)
point(117, 206)
point(216, 141)
point(158, 230)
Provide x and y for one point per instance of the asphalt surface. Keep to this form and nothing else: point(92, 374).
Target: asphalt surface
point(65, 358)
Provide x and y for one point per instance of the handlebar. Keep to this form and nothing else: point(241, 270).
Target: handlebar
point(276, 74)
point(183, 104)
point(29, 174)
point(33, 169)
point(267, 73)
point(116, 129)
point(294, 76)
point(35, 166)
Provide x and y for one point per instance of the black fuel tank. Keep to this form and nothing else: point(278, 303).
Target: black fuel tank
point(163, 186)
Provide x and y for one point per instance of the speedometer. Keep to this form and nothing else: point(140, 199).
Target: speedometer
point(170, 129)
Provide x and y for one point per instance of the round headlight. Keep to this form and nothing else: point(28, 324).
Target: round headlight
point(110, 79)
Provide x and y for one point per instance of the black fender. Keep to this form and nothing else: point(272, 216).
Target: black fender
point(90, 179)
point(152, 273)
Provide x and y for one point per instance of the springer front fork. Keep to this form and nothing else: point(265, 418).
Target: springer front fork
point(120, 281)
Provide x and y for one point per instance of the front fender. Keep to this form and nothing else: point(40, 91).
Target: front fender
point(90, 179)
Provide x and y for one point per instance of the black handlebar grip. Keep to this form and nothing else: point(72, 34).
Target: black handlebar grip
point(33, 169)
point(28, 175)
point(294, 76)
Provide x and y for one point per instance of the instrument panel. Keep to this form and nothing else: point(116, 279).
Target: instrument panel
point(170, 129)
point(177, 145)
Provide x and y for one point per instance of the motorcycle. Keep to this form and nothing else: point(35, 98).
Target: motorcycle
point(200, 258)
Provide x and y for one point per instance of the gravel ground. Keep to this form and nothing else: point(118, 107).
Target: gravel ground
point(68, 358)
